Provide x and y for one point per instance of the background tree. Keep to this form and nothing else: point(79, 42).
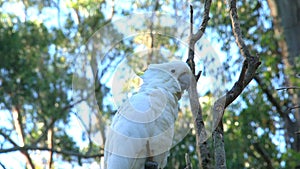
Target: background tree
point(38, 53)
point(36, 78)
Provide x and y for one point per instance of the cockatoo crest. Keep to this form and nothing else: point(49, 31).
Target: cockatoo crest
point(178, 70)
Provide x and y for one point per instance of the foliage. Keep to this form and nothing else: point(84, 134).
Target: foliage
point(37, 65)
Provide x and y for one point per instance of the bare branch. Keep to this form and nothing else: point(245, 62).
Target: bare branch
point(7, 137)
point(205, 20)
point(190, 60)
point(295, 107)
point(198, 75)
point(288, 88)
point(247, 73)
point(2, 165)
point(195, 37)
point(64, 152)
point(191, 21)
point(250, 63)
point(289, 125)
point(271, 98)
point(53, 120)
point(201, 147)
point(237, 30)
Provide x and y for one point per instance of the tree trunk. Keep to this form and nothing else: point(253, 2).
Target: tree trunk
point(17, 120)
point(286, 21)
point(50, 146)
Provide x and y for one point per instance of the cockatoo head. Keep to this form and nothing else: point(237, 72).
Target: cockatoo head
point(178, 71)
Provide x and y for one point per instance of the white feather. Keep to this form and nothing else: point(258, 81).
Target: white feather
point(147, 116)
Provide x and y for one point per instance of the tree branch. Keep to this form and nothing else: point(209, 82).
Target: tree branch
point(53, 120)
point(17, 120)
point(272, 99)
point(264, 155)
point(288, 88)
point(195, 37)
point(63, 152)
point(2, 165)
point(205, 20)
point(250, 63)
point(50, 146)
point(284, 114)
point(237, 30)
point(247, 73)
point(218, 137)
point(188, 161)
point(294, 107)
point(201, 146)
point(7, 137)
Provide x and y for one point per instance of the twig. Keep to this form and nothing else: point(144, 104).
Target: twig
point(195, 37)
point(2, 165)
point(198, 75)
point(7, 137)
point(284, 114)
point(288, 88)
point(272, 99)
point(191, 21)
point(295, 107)
point(190, 60)
point(51, 124)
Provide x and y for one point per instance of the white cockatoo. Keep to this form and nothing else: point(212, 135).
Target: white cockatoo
point(143, 127)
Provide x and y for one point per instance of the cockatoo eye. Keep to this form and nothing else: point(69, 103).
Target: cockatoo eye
point(173, 70)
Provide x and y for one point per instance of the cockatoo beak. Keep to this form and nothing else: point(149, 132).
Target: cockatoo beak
point(185, 81)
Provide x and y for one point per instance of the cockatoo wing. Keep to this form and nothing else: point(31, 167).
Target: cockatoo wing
point(146, 117)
